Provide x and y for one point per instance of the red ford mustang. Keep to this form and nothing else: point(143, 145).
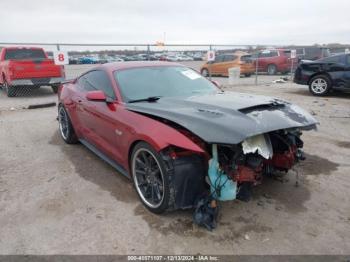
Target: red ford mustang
point(176, 135)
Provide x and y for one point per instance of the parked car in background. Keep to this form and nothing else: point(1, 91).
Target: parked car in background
point(325, 74)
point(110, 59)
point(88, 60)
point(182, 57)
point(198, 57)
point(312, 53)
point(28, 67)
point(73, 60)
point(274, 61)
point(172, 58)
point(224, 62)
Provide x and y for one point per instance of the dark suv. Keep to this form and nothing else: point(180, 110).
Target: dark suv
point(325, 74)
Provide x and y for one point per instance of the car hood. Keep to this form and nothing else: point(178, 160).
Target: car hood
point(227, 117)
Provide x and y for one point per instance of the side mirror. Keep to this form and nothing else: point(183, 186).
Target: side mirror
point(98, 96)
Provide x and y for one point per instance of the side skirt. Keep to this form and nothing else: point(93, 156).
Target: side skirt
point(101, 155)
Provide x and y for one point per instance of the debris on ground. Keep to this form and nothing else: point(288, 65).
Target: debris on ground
point(206, 212)
point(281, 80)
point(265, 240)
point(260, 203)
point(313, 113)
point(278, 208)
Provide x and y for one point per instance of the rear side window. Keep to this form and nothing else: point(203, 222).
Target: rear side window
point(219, 59)
point(97, 80)
point(268, 54)
point(246, 58)
point(348, 60)
point(286, 53)
point(273, 53)
point(331, 59)
point(21, 54)
point(230, 58)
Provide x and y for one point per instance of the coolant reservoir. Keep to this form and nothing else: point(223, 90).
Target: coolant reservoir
point(221, 186)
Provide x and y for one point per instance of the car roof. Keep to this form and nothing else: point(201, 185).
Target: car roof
point(133, 64)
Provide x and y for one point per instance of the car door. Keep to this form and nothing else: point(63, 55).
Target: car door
point(336, 68)
point(262, 61)
point(266, 58)
point(215, 65)
point(229, 61)
point(347, 71)
point(100, 118)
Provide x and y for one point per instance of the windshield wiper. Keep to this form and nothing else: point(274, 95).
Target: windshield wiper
point(147, 99)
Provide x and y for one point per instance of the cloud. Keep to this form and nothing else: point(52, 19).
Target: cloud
point(222, 21)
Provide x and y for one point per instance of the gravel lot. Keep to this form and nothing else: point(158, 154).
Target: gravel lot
point(62, 199)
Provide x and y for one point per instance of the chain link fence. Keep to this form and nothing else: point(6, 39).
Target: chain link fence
point(29, 74)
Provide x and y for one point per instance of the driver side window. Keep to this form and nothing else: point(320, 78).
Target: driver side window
point(97, 80)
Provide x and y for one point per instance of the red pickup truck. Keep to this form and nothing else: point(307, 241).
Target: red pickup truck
point(274, 61)
point(28, 67)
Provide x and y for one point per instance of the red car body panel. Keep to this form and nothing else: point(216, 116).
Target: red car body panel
point(112, 128)
point(12, 70)
point(281, 61)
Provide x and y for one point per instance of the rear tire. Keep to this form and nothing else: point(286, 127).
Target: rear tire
point(55, 89)
point(205, 72)
point(9, 90)
point(272, 69)
point(247, 75)
point(320, 85)
point(152, 182)
point(65, 126)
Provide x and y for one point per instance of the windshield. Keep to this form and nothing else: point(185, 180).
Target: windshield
point(163, 81)
point(20, 54)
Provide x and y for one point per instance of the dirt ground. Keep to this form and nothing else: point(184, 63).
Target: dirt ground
point(62, 199)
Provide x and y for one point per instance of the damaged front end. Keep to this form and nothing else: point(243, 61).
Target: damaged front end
point(234, 169)
point(245, 164)
point(228, 172)
point(243, 138)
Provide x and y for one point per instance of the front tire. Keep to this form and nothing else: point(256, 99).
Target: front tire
point(320, 85)
point(65, 126)
point(151, 179)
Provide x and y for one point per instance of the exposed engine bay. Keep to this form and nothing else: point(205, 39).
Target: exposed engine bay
point(247, 163)
point(232, 170)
